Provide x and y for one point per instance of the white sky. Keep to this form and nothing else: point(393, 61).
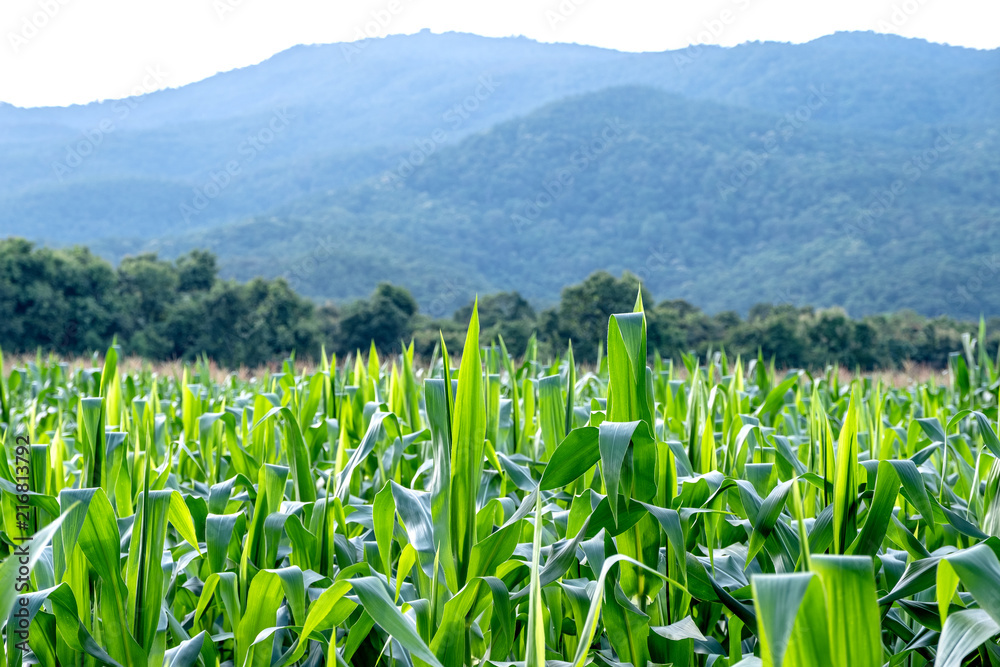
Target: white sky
point(57, 52)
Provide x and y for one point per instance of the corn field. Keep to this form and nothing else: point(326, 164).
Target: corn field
point(504, 511)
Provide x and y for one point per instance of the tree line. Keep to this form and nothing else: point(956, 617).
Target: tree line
point(71, 302)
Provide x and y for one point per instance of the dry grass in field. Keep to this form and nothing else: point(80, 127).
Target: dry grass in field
point(484, 476)
point(169, 368)
point(909, 375)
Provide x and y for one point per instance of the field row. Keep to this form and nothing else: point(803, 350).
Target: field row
point(512, 510)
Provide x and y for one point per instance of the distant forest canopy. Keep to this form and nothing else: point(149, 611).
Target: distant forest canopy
point(858, 170)
point(71, 302)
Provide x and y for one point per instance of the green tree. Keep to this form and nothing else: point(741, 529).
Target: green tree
point(506, 314)
point(196, 271)
point(54, 299)
point(147, 288)
point(386, 318)
point(584, 310)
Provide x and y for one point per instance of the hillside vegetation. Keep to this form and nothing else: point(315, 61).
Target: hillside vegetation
point(71, 302)
point(500, 512)
point(858, 170)
point(713, 204)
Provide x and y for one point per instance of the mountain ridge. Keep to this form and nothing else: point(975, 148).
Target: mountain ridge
point(470, 206)
point(839, 38)
point(347, 126)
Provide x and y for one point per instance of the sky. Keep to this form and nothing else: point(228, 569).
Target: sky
point(60, 52)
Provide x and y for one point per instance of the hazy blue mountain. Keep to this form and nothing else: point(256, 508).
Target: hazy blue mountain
point(356, 109)
point(716, 204)
point(301, 165)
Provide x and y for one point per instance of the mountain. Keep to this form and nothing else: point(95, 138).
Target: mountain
point(301, 166)
point(711, 203)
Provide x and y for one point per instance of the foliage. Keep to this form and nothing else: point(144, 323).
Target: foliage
point(710, 193)
point(384, 319)
point(72, 302)
point(376, 512)
point(720, 206)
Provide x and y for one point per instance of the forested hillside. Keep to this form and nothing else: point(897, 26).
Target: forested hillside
point(73, 303)
point(713, 204)
point(858, 170)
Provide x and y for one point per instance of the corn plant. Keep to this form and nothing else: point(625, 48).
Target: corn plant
point(505, 510)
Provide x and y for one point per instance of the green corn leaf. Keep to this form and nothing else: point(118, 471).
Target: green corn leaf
point(574, 456)
point(384, 519)
point(869, 539)
point(376, 601)
point(845, 481)
point(792, 620)
point(615, 440)
point(963, 633)
point(535, 651)
point(468, 445)
point(852, 608)
point(266, 591)
point(99, 542)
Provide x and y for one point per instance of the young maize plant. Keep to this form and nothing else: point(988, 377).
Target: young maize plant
point(500, 513)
